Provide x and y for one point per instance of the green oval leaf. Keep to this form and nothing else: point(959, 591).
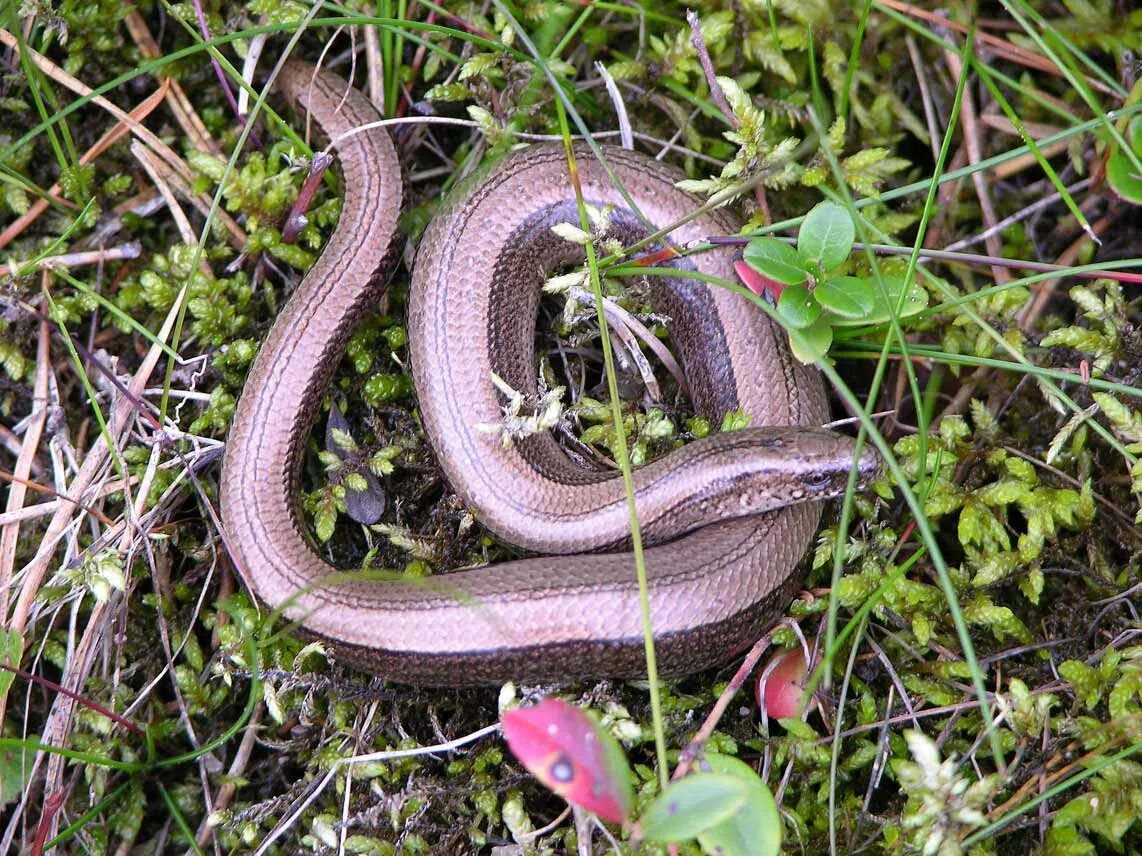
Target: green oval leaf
point(886, 301)
point(693, 805)
point(826, 236)
point(915, 297)
point(846, 296)
point(16, 769)
point(776, 260)
point(797, 306)
point(11, 651)
point(818, 337)
point(755, 828)
point(1120, 173)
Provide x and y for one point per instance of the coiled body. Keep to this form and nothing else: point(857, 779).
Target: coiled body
point(730, 513)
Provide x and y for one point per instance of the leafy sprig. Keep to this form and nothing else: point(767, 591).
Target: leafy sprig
point(814, 294)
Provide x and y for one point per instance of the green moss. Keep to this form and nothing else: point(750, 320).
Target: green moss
point(1039, 553)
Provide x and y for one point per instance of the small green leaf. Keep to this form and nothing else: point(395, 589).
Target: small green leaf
point(487, 123)
point(818, 336)
point(846, 296)
point(736, 420)
point(915, 298)
point(1120, 172)
point(1000, 620)
point(74, 181)
point(797, 306)
point(1084, 679)
point(381, 461)
point(826, 236)
point(16, 768)
point(755, 828)
point(325, 515)
point(1032, 584)
point(344, 441)
point(1126, 695)
point(479, 65)
point(1123, 420)
point(1066, 840)
point(885, 301)
point(355, 482)
point(16, 198)
point(776, 260)
point(693, 805)
point(11, 650)
point(448, 92)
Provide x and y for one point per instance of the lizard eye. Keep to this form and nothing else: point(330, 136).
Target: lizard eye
point(818, 479)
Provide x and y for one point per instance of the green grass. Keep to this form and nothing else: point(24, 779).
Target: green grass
point(984, 597)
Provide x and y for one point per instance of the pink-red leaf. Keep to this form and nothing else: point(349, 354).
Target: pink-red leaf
point(781, 687)
point(572, 755)
point(756, 282)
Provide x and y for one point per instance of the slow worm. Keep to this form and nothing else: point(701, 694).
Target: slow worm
point(728, 516)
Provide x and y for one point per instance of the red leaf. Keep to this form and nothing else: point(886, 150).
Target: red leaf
point(756, 282)
point(572, 755)
point(654, 258)
point(780, 688)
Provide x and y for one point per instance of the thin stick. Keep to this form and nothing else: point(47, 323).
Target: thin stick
point(698, 741)
point(17, 491)
point(93, 463)
point(137, 128)
point(1000, 46)
point(177, 100)
point(1030, 313)
point(708, 67)
point(17, 226)
point(130, 250)
point(970, 125)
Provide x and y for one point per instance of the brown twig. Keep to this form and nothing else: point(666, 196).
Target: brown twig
point(44, 490)
point(970, 125)
point(140, 131)
point(694, 748)
point(123, 410)
point(708, 67)
point(17, 226)
point(177, 100)
point(237, 769)
point(1053, 773)
point(1027, 160)
point(1030, 313)
point(21, 477)
point(159, 177)
point(46, 825)
point(1019, 216)
point(375, 70)
point(74, 696)
point(1006, 49)
point(920, 71)
point(130, 250)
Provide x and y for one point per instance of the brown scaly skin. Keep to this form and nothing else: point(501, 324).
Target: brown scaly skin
point(729, 516)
